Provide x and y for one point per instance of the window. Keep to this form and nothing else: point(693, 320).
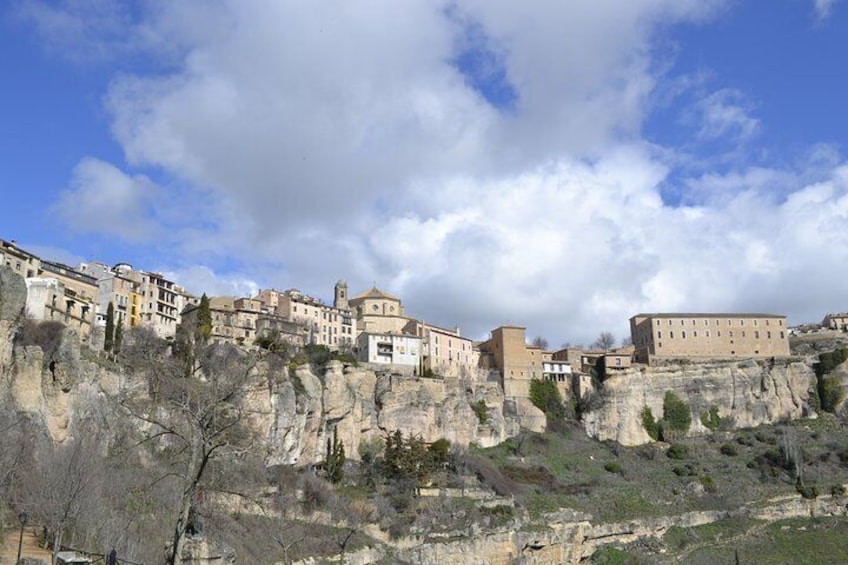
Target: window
point(756, 335)
point(684, 334)
point(695, 334)
point(781, 335)
point(768, 335)
point(659, 335)
point(670, 335)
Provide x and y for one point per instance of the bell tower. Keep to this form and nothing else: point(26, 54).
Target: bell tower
point(340, 297)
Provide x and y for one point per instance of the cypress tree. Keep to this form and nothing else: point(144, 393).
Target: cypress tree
point(204, 319)
point(119, 336)
point(109, 339)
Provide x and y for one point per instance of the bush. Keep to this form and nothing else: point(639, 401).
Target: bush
point(711, 419)
point(709, 484)
point(806, 491)
point(481, 410)
point(650, 424)
point(677, 451)
point(676, 414)
point(728, 449)
point(46, 335)
point(831, 393)
point(614, 467)
point(837, 490)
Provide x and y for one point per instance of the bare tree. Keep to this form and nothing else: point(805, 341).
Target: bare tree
point(626, 341)
point(70, 477)
point(540, 342)
point(605, 341)
point(199, 421)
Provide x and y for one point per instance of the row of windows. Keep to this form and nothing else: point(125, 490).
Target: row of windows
point(718, 334)
point(718, 322)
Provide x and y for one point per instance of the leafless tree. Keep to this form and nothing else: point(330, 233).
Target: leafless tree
point(198, 419)
point(605, 341)
point(540, 342)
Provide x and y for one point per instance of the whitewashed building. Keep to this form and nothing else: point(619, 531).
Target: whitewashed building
point(389, 349)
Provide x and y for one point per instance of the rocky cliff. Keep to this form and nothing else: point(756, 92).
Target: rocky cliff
point(747, 394)
point(293, 410)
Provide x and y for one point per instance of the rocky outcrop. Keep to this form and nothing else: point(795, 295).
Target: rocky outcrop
point(301, 409)
point(12, 303)
point(747, 394)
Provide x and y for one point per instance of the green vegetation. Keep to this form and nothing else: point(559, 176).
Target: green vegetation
point(335, 458)
point(650, 424)
point(109, 337)
point(711, 419)
point(677, 416)
point(829, 388)
point(481, 411)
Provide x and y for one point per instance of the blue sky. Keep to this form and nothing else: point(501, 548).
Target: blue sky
point(557, 165)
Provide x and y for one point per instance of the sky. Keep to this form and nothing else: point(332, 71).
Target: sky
point(556, 165)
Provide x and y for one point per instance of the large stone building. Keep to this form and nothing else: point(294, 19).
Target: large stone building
point(508, 352)
point(445, 352)
point(836, 321)
point(333, 326)
point(708, 336)
point(378, 311)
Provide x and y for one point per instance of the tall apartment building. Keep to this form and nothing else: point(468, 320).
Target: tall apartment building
point(333, 326)
point(708, 336)
point(78, 302)
point(115, 288)
point(160, 301)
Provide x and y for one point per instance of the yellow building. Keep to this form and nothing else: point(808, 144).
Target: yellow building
point(708, 336)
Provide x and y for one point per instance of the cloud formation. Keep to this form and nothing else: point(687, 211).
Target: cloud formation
point(485, 160)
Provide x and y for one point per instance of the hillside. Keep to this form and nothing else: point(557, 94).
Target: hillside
point(278, 456)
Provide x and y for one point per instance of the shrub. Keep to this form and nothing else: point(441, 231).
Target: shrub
point(711, 419)
point(613, 467)
point(709, 484)
point(831, 393)
point(728, 449)
point(806, 491)
point(481, 410)
point(46, 335)
point(650, 424)
point(676, 414)
point(687, 470)
point(837, 490)
point(677, 451)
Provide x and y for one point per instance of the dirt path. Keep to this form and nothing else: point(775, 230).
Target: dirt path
point(30, 547)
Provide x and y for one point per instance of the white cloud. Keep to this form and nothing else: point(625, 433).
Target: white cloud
point(103, 199)
point(319, 141)
point(823, 8)
point(725, 113)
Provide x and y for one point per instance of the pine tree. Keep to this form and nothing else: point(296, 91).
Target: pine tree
point(109, 339)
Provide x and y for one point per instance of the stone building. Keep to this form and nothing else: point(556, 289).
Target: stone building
point(22, 262)
point(444, 352)
point(508, 352)
point(121, 291)
point(333, 326)
point(836, 321)
point(708, 336)
point(378, 311)
point(77, 305)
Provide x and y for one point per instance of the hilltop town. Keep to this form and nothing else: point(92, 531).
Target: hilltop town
point(309, 404)
point(374, 327)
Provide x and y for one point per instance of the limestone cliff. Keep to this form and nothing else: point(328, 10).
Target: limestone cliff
point(747, 393)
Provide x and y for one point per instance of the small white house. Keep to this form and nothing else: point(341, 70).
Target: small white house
point(389, 349)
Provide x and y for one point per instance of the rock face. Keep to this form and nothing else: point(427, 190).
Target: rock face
point(747, 394)
point(12, 303)
point(301, 410)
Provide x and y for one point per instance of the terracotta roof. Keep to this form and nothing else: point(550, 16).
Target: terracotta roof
point(375, 292)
